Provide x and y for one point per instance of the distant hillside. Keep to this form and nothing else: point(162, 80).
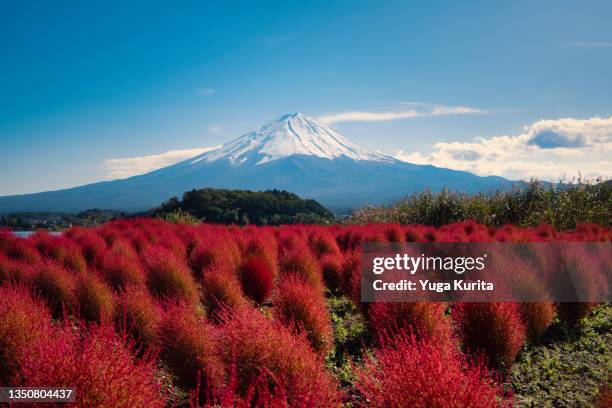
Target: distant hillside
point(272, 207)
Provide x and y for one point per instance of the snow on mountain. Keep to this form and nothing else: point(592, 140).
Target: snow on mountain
point(291, 134)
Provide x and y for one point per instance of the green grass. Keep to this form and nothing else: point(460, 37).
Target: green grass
point(562, 206)
point(569, 367)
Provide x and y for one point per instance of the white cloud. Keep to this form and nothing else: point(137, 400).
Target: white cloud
point(205, 91)
point(547, 149)
point(420, 110)
point(131, 166)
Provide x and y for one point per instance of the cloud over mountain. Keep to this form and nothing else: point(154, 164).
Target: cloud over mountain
point(546, 149)
point(131, 166)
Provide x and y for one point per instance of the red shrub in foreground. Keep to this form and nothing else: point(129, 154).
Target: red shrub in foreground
point(57, 286)
point(98, 364)
point(91, 244)
point(94, 298)
point(253, 345)
point(221, 289)
point(303, 266)
point(331, 267)
point(537, 316)
point(138, 314)
point(17, 248)
point(494, 328)
point(212, 252)
point(60, 249)
point(299, 305)
point(257, 278)
point(121, 270)
point(169, 277)
point(405, 372)
point(188, 347)
point(394, 233)
point(12, 271)
point(263, 245)
point(23, 320)
point(424, 319)
point(604, 400)
point(323, 243)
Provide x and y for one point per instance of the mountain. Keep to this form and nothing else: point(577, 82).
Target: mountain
point(294, 153)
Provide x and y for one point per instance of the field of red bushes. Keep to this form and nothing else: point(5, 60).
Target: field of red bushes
point(146, 313)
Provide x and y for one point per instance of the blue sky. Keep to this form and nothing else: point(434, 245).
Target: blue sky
point(83, 83)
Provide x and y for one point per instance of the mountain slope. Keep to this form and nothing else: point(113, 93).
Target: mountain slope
point(293, 153)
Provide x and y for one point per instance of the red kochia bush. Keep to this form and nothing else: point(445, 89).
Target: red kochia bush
point(57, 286)
point(424, 319)
point(221, 289)
point(253, 345)
point(121, 269)
point(138, 314)
point(300, 306)
point(12, 271)
point(95, 299)
point(61, 249)
point(537, 316)
point(405, 372)
point(257, 278)
point(187, 346)
point(494, 328)
point(211, 252)
point(98, 364)
point(331, 267)
point(169, 277)
point(18, 248)
point(303, 266)
point(23, 320)
point(323, 243)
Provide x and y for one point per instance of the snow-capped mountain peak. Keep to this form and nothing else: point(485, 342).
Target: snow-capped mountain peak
point(291, 134)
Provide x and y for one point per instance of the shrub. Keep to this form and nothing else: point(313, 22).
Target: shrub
point(95, 299)
point(121, 270)
point(263, 245)
point(57, 287)
point(405, 372)
point(98, 364)
point(23, 320)
point(257, 278)
point(221, 289)
point(12, 271)
point(138, 314)
point(494, 328)
point(188, 347)
point(301, 306)
point(255, 345)
point(169, 277)
point(91, 244)
point(394, 233)
point(604, 400)
point(323, 244)
point(424, 319)
point(212, 252)
point(17, 248)
point(60, 249)
point(303, 266)
point(537, 317)
point(331, 267)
